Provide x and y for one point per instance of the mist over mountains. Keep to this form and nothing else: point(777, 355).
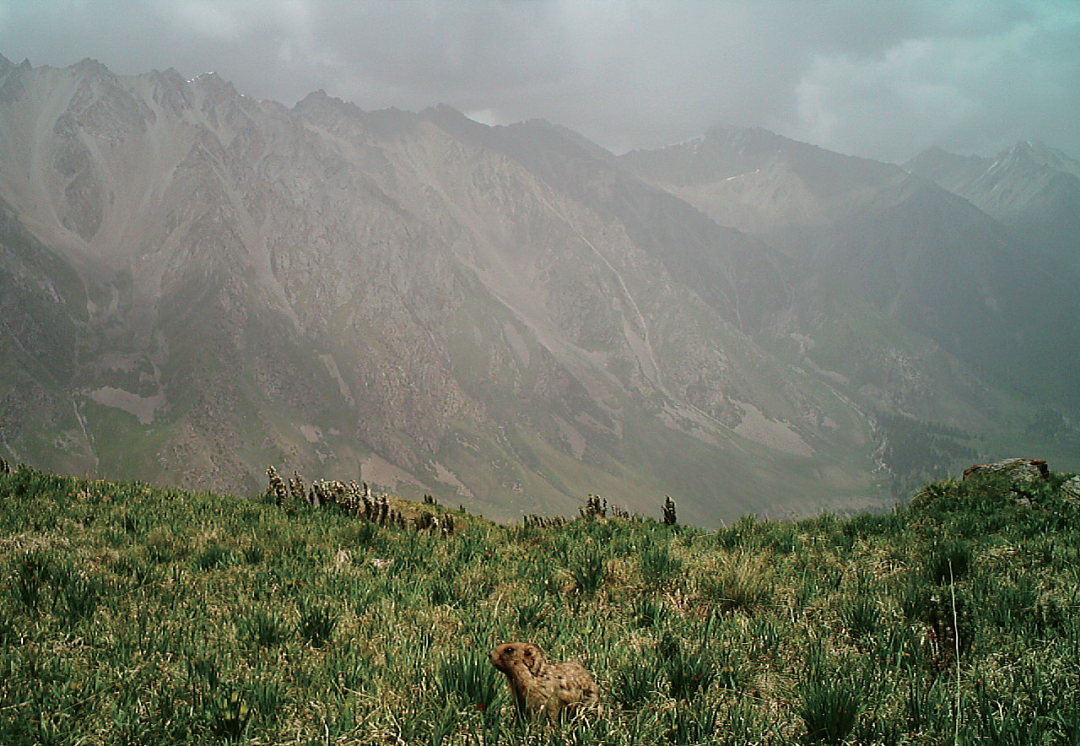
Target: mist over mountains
point(195, 285)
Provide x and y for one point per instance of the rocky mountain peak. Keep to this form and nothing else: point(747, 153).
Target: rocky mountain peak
point(211, 82)
point(1034, 154)
point(321, 100)
point(11, 79)
point(170, 90)
point(1029, 184)
point(94, 70)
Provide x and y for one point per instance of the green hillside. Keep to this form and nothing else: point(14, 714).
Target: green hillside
point(136, 615)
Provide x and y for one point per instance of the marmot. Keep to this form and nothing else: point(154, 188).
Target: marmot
point(539, 686)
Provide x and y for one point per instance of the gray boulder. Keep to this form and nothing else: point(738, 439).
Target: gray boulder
point(1022, 473)
point(1070, 490)
point(1018, 470)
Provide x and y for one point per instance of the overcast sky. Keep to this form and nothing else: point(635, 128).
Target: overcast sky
point(878, 78)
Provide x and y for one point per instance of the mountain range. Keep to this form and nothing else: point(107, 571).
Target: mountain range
point(196, 285)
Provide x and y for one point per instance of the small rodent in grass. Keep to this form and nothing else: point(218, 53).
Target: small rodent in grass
point(542, 687)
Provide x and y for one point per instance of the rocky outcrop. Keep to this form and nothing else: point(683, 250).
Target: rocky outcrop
point(1017, 470)
point(1070, 490)
point(1022, 475)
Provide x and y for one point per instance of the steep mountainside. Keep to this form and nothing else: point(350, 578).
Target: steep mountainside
point(197, 285)
point(1034, 191)
point(1024, 185)
point(1031, 188)
point(920, 254)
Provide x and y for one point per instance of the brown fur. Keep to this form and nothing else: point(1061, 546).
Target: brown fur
point(542, 687)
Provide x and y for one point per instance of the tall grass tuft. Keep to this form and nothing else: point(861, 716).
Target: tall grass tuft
point(79, 599)
point(270, 698)
point(659, 566)
point(688, 673)
point(633, 684)
point(693, 725)
point(741, 582)
point(948, 561)
point(214, 555)
point(33, 571)
point(469, 679)
point(588, 570)
point(828, 707)
point(317, 621)
point(650, 612)
point(264, 629)
point(861, 616)
point(229, 715)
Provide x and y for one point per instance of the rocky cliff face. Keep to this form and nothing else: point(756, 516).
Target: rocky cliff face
point(196, 285)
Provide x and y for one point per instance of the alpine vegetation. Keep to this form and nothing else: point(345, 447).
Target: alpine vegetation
point(135, 614)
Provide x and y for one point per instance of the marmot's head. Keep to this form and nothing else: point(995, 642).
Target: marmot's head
point(510, 654)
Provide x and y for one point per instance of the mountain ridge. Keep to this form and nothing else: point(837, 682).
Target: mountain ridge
point(507, 316)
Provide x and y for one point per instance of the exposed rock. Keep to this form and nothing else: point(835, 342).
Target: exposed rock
point(1070, 490)
point(1018, 470)
point(1021, 473)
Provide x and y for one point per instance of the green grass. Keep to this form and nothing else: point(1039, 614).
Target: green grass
point(130, 614)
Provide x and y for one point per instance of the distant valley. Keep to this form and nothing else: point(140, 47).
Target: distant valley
point(195, 285)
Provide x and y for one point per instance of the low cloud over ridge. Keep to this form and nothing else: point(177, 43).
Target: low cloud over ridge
point(878, 78)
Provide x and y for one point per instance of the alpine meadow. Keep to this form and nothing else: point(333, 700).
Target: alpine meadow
point(134, 614)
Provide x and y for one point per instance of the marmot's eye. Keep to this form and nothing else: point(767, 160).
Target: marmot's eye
point(510, 651)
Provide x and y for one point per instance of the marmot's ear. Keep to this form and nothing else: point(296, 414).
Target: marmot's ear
point(534, 658)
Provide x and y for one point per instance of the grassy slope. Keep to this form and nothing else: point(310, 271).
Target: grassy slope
point(130, 614)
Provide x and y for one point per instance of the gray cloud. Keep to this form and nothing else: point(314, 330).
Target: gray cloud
point(881, 78)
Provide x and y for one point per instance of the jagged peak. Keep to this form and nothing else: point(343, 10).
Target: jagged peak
point(1035, 154)
point(89, 69)
point(6, 66)
point(934, 151)
point(726, 150)
point(169, 75)
point(316, 97)
point(1022, 149)
point(1036, 149)
point(448, 110)
point(756, 136)
point(321, 101)
point(211, 81)
point(11, 77)
point(90, 65)
point(447, 117)
point(171, 89)
point(456, 124)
